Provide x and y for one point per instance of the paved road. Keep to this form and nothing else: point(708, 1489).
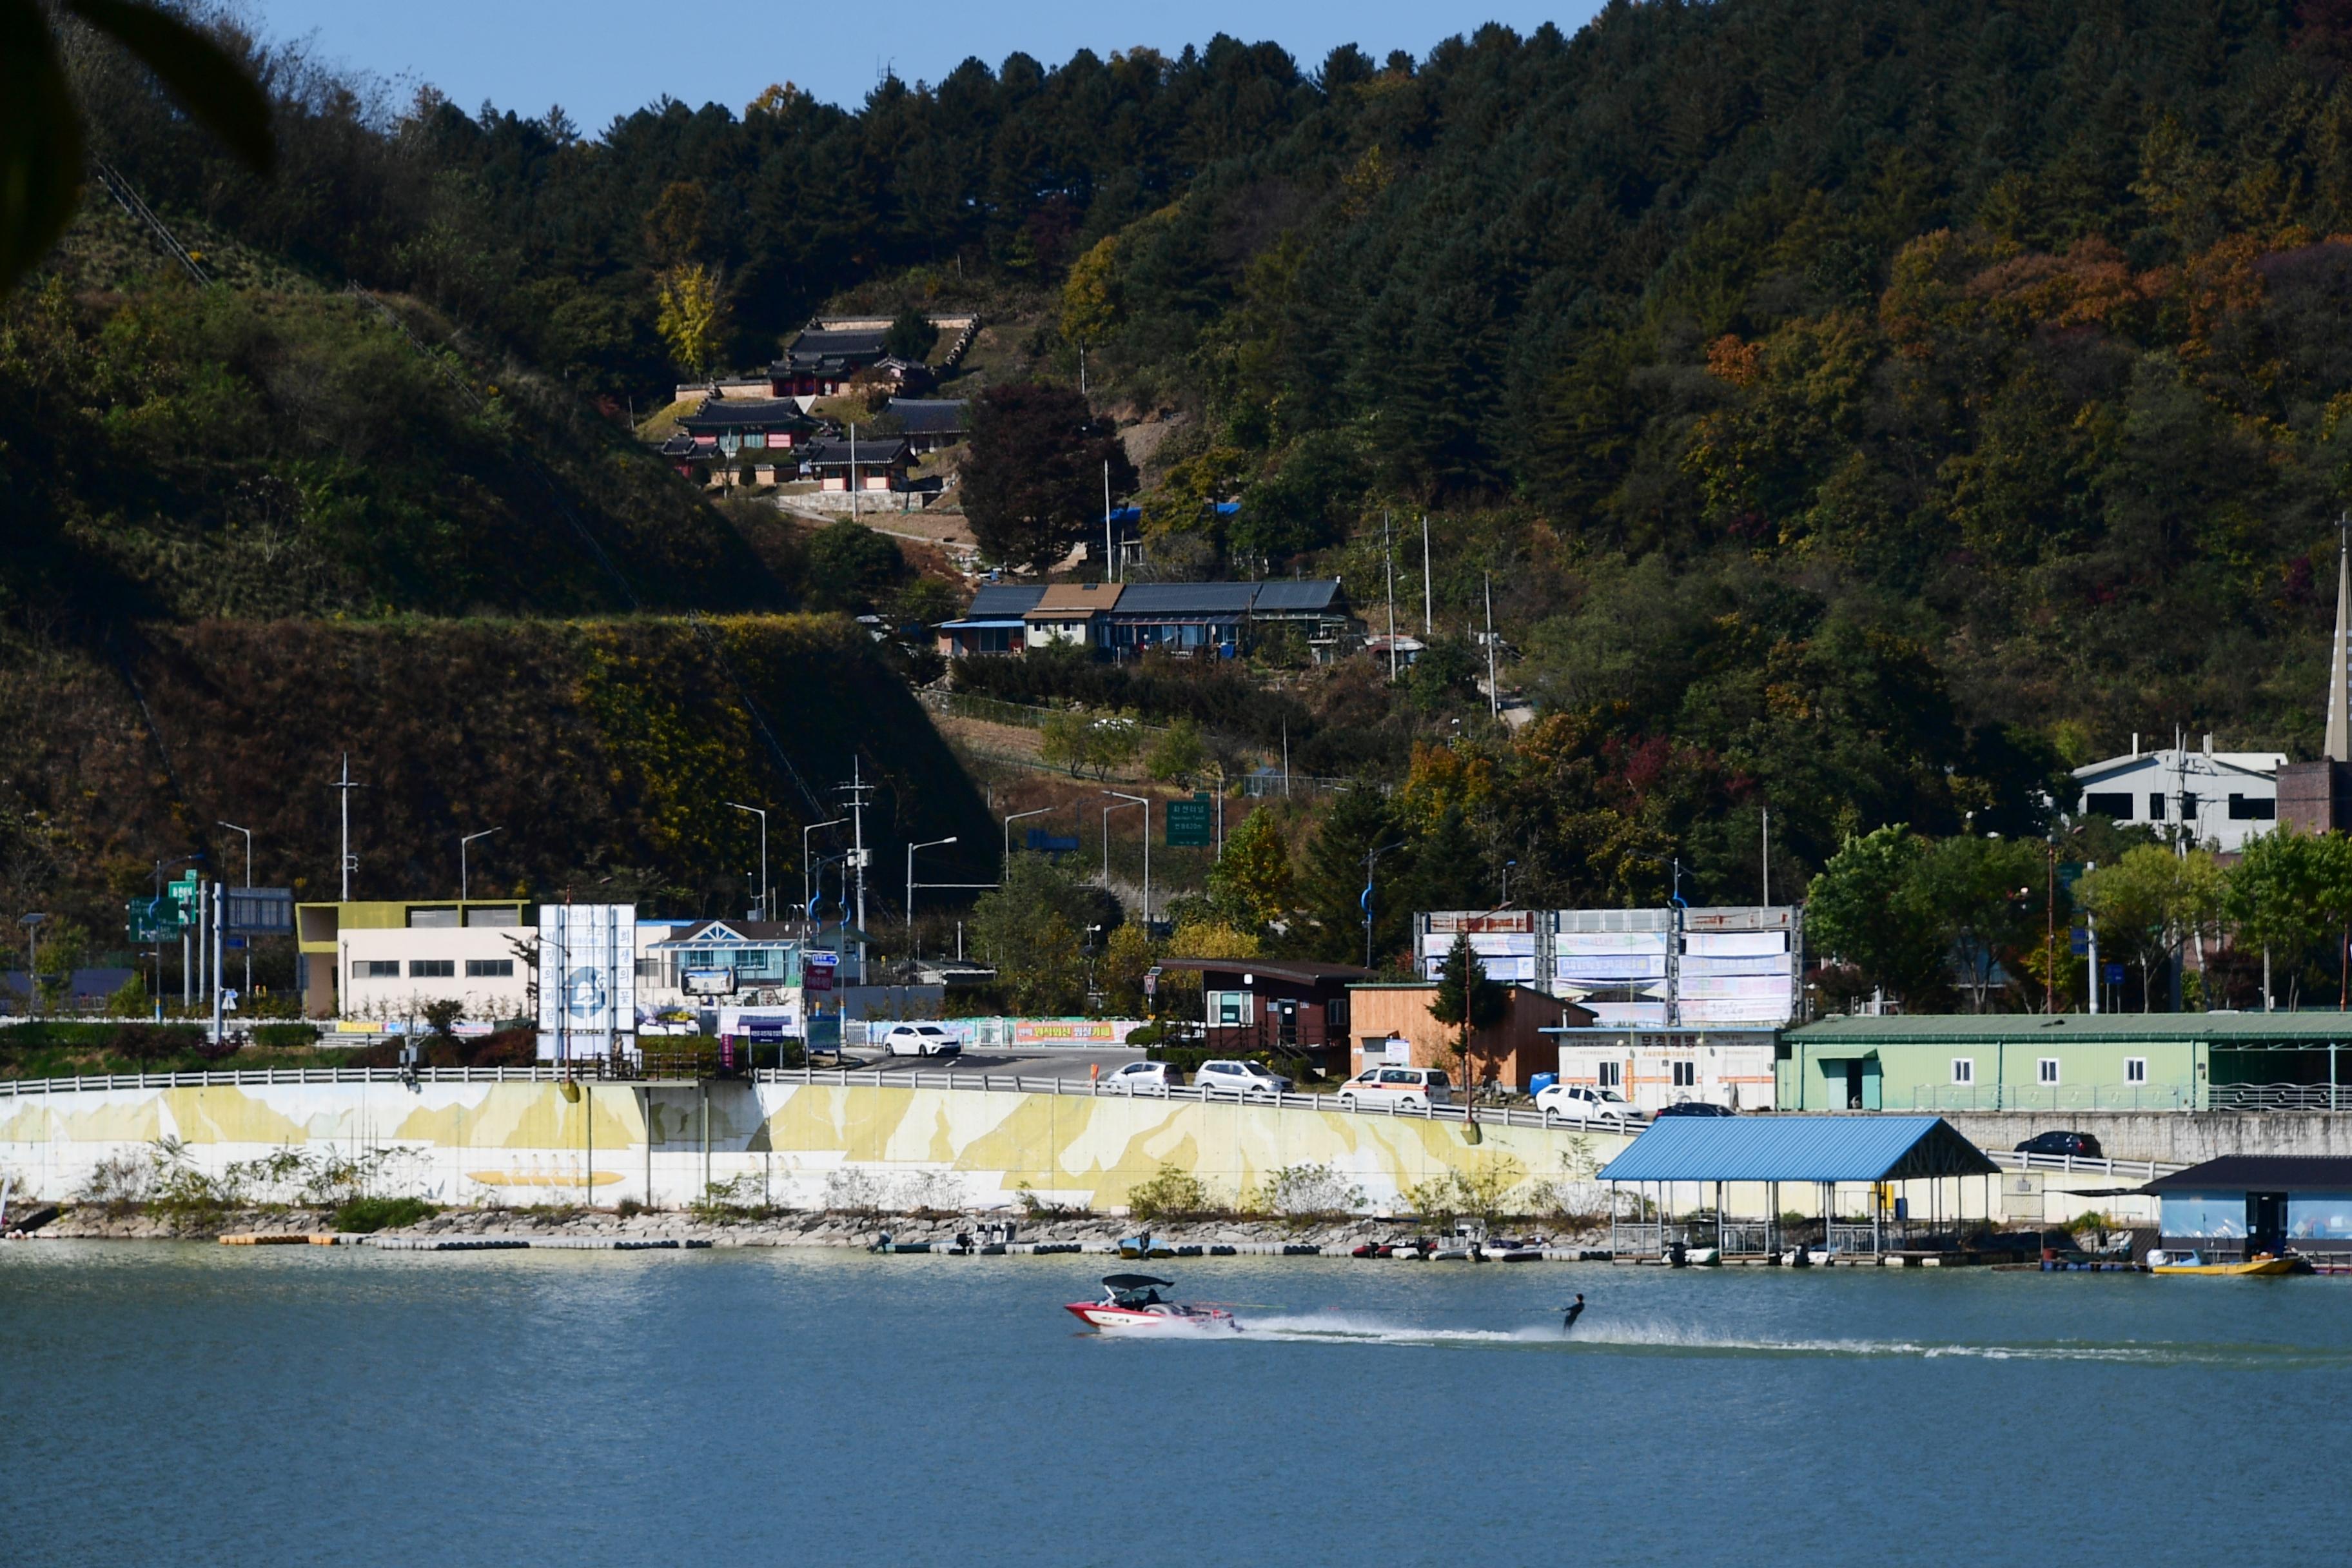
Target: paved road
point(1050, 1064)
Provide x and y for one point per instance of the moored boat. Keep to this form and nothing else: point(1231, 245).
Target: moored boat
point(1131, 1304)
point(2262, 1265)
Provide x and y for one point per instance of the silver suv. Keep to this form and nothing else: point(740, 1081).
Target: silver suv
point(1243, 1078)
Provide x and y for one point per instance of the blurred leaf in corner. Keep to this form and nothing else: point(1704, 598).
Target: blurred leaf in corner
point(40, 127)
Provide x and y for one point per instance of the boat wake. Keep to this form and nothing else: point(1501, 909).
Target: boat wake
point(1638, 1338)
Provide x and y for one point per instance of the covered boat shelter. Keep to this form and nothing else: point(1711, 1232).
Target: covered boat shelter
point(1762, 1153)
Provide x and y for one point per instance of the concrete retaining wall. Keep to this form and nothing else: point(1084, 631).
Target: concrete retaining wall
point(2185, 1137)
point(803, 1145)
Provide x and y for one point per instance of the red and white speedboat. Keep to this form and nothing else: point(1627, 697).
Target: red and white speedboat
point(1131, 1305)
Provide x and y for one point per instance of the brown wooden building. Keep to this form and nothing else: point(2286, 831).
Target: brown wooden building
point(1280, 1005)
point(1384, 1016)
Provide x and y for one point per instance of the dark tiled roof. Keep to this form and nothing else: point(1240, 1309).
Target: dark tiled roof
point(1316, 594)
point(930, 416)
point(678, 446)
point(855, 344)
point(1145, 601)
point(879, 451)
point(1000, 600)
point(765, 414)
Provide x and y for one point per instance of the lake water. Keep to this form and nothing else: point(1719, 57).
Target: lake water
point(196, 1405)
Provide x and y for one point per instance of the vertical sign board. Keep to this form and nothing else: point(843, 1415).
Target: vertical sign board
point(1189, 823)
point(587, 979)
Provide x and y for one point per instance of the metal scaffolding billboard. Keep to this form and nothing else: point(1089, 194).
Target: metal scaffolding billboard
point(587, 979)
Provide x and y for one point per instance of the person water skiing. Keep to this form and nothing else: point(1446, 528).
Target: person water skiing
point(1575, 1310)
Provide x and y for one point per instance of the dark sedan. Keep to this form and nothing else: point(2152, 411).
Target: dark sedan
point(2080, 1145)
point(1693, 1107)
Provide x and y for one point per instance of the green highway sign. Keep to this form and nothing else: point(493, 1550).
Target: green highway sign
point(1191, 824)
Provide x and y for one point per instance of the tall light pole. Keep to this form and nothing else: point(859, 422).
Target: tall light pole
point(807, 893)
point(931, 844)
point(1145, 802)
point(232, 827)
point(762, 813)
point(343, 788)
point(32, 924)
point(1009, 821)
point(465, 882)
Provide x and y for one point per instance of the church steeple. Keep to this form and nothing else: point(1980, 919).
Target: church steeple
point(2339, 655)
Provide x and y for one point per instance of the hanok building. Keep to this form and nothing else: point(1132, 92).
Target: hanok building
point(868, 463)
point(1276, 1005)
point(819, 361)
point(931, 423)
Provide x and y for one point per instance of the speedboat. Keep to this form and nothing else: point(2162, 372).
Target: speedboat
point(2261, 1263)
point(1131, 1305)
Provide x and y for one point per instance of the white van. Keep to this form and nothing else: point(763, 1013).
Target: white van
point(1378, 1088)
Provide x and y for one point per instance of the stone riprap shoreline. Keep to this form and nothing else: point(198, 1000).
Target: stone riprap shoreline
point(796, 1228)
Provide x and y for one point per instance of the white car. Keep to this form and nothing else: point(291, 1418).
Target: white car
point(921, 1040)
point(1144, 1077)
point(1583, 1102)
point(1239, 1078)
point(1382, 1087)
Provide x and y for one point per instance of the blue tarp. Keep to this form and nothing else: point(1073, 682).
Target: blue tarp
point(1772, 1148)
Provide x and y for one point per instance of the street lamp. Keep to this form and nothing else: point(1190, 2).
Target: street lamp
point(465, 883)
point(1508, 867)
point(232, 827)
point(1008, 833)
point(762, 813)
point(931, 844)
point(806, 892)
point(32, 924)
point(1144, 801)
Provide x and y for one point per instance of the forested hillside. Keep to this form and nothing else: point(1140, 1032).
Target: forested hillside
point(1860, 408)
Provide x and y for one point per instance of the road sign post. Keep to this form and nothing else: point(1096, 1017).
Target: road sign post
point(1191, 823)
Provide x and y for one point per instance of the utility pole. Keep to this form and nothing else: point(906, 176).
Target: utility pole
point(1145, 802)
point(2090, 923)
point(1110, 573)
point(853, 516)
point(1388, 564)
point(857, 790)
point(1428, 594)
point(807, 893)
point(1371, 858)
point(218, 908)
point(1768, 857)
point(2050, 924)
point(343, 787)
point(1494, 696)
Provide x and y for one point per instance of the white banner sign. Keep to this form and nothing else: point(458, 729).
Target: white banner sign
point(587, 979)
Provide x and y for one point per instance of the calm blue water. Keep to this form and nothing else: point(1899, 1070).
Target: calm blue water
point(196, 1405)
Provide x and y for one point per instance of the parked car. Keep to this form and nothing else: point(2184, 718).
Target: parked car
point(1695, 1108)
point(1584, 1102)
point(1239, 1078)
point(1145, 1077)
point(921, 1040)
point(2077, 1143)
point(1382, 1087)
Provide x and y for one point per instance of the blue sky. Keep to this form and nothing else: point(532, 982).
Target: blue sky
point(600, 58)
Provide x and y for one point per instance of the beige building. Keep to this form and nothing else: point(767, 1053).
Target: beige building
point(389, 960)
point(1393, 1025)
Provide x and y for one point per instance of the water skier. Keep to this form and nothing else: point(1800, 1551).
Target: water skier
point(1575, 1310)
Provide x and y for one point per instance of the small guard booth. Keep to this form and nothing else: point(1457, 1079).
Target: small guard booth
point(1877, 1182)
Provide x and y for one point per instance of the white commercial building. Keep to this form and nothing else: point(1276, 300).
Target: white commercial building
point(392, 973)
point(1655, 1068)
point(2206, 797)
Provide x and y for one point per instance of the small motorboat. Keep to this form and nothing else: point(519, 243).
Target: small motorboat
point(1131, 1304)
point(2259, 1266)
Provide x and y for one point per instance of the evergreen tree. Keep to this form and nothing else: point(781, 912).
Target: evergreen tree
point(1467, 1000)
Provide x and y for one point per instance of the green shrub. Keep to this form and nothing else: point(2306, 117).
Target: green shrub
point(285, 1036)
point(365, 1215)
point(1170, 1194)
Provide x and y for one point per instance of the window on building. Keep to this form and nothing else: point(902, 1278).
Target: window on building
point(2135, 1069)
point(378, 968)
point(1229, 1007)
point(1686, 1075)
point(2246, 809)
point(1334, 1014)
point(1613, 1075)
point(2188, 807)
point(2155, 808)
point(489, 968)
point(432, 919)
point(2116, 804)
point(432, 968)
point(2046, 1071)
point(1964, 1069)
point(506, 915)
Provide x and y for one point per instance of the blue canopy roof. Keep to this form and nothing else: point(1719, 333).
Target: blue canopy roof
point(1796, 1149)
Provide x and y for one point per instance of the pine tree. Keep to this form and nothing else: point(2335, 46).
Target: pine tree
point(1467, 999)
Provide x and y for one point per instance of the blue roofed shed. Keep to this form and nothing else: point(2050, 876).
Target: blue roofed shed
point(1877, 1153)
